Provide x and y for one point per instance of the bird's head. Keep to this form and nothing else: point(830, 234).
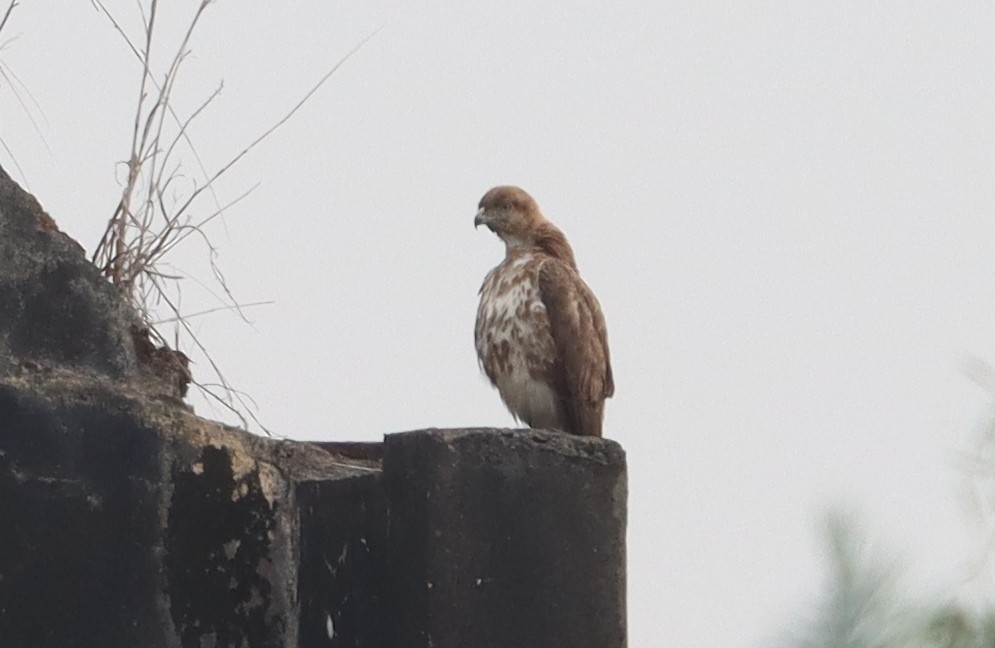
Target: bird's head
point(514, 216)
point(510, 213)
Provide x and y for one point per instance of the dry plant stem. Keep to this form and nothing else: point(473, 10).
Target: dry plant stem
point(123, 213)
point(146, 136)
point(13, 159)
point(14, 81)
point(209, 311)
point(153, 215)
point(17, 87)
point(228, 401)
point(134, 50)
point(6, 15)
point(4, 73)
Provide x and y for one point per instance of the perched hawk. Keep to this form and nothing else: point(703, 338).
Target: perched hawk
point(540, 334)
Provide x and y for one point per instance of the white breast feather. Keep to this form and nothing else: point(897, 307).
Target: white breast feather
point(528, 399)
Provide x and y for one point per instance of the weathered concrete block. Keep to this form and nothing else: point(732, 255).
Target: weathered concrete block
point(485, 538)
point(81, 495)
point(134, 523)
point(502, 539)
point(343, 566)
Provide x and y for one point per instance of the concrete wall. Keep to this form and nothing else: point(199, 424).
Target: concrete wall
point(127, 521)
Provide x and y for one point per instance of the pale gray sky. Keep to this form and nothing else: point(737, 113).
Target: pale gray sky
point(785, 208)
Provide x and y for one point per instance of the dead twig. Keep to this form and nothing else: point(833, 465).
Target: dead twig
point(6, 14)
point(156, 211)
point(16, 88)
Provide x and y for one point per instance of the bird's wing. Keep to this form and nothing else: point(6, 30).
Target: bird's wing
point(583, 373)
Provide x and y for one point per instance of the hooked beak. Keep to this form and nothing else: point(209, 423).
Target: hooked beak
point(480, 219)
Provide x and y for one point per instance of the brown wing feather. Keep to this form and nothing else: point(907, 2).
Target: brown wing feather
point(582, 374)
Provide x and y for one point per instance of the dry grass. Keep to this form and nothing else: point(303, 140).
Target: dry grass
point(22, 95)
point(160, 208)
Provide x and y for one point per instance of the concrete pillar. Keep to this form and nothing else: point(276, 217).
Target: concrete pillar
point(505, 539)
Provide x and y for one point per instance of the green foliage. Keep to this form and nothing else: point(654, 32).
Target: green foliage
point(864, 606)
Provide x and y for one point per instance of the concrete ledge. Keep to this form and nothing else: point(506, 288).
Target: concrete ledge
point(134, 523)
point(503, 538)
point(130, 523)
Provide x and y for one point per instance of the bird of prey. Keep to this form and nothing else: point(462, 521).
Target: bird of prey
point(540, 334)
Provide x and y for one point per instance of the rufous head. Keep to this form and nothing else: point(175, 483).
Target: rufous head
point(510, 213)
point(514, 216)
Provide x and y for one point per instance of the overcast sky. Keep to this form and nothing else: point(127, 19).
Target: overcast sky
point(785, 209)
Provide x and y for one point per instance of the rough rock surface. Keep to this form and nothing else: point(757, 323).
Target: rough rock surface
point(131, 522)
point(127, 521)
point(55, 308)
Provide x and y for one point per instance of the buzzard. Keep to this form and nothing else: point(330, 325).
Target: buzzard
point(540, 334)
